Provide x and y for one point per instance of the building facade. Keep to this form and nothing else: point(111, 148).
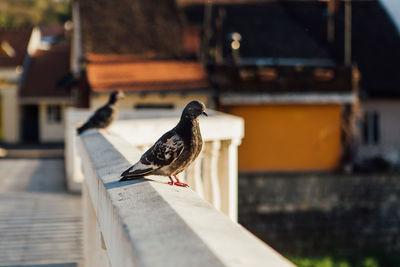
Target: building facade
point(146, 61)
point(16, 45)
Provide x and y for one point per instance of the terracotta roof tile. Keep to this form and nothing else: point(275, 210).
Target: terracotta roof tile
point(18, 39)
point(145, 75)
point(46, 69)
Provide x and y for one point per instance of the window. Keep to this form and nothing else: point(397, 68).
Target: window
point(54, 113)
point(370, 128)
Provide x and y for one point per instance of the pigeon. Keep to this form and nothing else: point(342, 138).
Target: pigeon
point(104, 116)
point(174, 151)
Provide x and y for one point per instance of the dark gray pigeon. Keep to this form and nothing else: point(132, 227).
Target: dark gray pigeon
point(104, 116)
point(174, 151)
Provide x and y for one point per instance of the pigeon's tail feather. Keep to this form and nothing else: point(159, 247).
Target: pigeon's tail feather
point(80, 130)
point(127, 178)
point(136, 174)
point(83, 128)
point(131, 176)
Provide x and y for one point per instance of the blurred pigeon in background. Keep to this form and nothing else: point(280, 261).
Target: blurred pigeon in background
point(174, 151)
point(104, 116)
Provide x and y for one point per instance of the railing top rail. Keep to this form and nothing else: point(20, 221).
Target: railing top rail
point(150, 223)
point(146, 125)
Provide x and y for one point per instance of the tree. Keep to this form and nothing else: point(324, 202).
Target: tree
point(25, 13)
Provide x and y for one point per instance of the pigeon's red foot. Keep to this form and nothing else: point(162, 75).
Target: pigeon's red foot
point(177, 183)
point(171, 182)
point(181, 184)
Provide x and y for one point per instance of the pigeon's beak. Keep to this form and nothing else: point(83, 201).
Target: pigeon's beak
point(204, 113)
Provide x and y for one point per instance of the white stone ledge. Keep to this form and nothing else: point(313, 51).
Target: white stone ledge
point(217, 126)
point(150, 223)
point(143, 128)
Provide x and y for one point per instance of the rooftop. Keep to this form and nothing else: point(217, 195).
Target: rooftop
point(267, 29)
point(131, 27)
point(298, 30)
point(46, 70)
point(15, 41)
point(110, 72)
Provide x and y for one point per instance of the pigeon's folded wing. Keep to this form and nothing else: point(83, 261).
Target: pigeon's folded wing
point(100, 119)
point(101, 116)
point(165, 151)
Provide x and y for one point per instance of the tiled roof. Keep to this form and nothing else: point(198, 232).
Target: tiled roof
point(268, 30)
point(375, 42)
point(130, 75)
point(150, 29)
point(45, 72)
point(298, 29)
point(18, 39)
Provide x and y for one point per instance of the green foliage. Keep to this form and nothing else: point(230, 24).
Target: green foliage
point(332, 262)
point(25, 13)
point(370, 262)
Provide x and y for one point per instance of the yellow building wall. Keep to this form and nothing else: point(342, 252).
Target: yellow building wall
point(290, 137)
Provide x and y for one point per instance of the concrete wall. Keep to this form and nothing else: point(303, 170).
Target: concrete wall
point(318, 215)
point(290, 137)
point(389, 127)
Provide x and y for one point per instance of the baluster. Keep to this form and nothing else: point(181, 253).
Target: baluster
point(189, 176)
point(198, 183)
point(207, 172)
point(215, 185)
point(228, 177)
point(94, 254)
point(210, 175)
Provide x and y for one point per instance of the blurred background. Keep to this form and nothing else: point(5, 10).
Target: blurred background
point(315, 81)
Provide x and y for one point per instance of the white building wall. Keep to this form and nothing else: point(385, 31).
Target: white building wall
point(10, 113)
point(9, 79)
point(76, 48)
point(50, 131)
point(9, 97)
point(389, 128)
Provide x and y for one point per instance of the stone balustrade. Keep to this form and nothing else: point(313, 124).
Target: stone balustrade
point(213, 175)
point(147, 222)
